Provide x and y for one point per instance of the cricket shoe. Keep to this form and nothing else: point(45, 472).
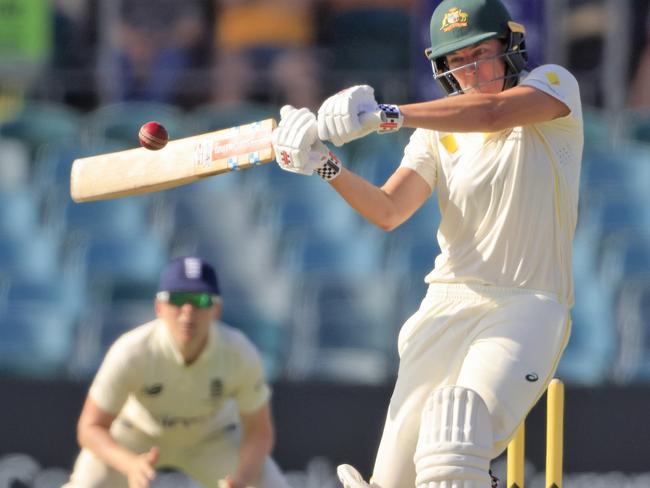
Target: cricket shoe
point(351, 478)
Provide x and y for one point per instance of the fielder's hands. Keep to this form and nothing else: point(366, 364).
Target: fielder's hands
point(298, 148)
point(354, 113)
point(141, 472)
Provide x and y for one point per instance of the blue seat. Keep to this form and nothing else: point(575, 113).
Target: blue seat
point(14, 164)
point(624, 213)
point(122, 121)
point(119, 218)
point(53, 162)
point(122, 317)
point(312, 215)
point(349, 316)
point(355, 254)
point(43, 122)
point(591, 348)
point(353, 333)
point(625, 256)
point(138, 258)
point(36, 342)
point(632, 363)
point(36, 257)
point(63, 292)
point(376, 157)
point(19, 213)
point(212, 117)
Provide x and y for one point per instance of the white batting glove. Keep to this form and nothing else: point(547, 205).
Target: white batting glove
point(297, 146)
point(354, 113)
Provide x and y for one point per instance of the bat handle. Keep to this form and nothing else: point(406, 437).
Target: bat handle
point(371, 119)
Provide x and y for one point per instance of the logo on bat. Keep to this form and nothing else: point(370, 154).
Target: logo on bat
point(203, 152)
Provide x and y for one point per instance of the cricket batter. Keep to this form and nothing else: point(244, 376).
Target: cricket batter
point(184, 391)
point(502, 152)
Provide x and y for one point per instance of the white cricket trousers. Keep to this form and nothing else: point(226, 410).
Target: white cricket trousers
point(503, 343)
point(207, 462)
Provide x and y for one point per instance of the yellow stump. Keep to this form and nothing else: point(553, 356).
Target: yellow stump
point(516, 458)
point(554, 434)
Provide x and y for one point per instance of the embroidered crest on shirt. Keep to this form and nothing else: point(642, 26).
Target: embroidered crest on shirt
point(216, 387)
point(453, 19)
point(192, 268)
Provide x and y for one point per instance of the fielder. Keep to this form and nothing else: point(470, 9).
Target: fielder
point(503, 153)
point(184, 391)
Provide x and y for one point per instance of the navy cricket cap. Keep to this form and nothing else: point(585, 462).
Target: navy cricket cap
point(189, 274)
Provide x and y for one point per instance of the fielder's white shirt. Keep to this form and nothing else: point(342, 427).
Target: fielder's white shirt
point(508, 200)
point(144, 379)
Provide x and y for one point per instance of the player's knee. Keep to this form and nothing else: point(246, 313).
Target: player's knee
point(455, 440)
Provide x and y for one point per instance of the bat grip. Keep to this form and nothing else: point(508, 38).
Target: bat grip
point(371, 119)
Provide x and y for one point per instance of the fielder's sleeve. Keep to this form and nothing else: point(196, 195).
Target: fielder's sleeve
point(112, 383)
point(252, 391)
point(559, 83)
point(420, 156)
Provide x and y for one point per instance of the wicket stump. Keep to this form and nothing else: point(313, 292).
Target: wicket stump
point(554, 442)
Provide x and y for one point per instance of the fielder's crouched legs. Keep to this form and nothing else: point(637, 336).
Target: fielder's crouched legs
point(455, 441)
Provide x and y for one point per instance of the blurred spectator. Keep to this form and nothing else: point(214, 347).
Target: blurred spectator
point(25, 40)
point(368, 42)
point(639, 96)
point(155, 42)
point(264, 50)
point(74, 47)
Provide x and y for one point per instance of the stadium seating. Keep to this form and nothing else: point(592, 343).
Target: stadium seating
point(341, 287)
point(210, 117)
point(36, 341)
point(121, 121)
point(19, 213)
point(41, 123)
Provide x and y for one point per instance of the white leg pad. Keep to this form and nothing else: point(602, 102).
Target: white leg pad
point(455, 441)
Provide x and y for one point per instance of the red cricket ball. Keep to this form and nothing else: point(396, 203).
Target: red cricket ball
point(153, 136)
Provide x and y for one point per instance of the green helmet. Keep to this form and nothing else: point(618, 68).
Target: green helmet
point(457, 24)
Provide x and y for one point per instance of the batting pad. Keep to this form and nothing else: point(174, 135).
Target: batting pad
point(455, 441)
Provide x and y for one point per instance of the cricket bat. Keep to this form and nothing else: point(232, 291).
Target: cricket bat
point(182, 161)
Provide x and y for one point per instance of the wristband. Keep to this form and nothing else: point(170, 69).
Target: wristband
point(331, 168)
point(391, 118)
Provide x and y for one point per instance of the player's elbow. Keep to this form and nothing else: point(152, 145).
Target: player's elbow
point(496, 116)
point(387, 224)
point(388, 218)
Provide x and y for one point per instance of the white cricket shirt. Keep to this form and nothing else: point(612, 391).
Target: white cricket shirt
point(508, 200)
point(144, 379)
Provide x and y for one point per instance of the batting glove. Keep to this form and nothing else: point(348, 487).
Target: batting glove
point(354, 113)
point(298, 148)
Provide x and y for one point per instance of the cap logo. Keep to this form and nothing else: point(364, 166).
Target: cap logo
point(454, 19)
point(192, 268)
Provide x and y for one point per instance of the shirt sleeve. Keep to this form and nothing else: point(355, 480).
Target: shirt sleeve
point(421, 157)
point(112, 383)
point(253, 391)
point(559, 83)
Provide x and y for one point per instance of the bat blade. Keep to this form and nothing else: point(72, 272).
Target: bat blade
point(182, 161)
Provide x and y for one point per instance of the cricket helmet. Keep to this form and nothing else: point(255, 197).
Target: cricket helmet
point(457, 24)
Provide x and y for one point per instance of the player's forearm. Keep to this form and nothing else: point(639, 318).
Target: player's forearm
point(98, 440)
point(254, 450)
point(465, 113)
point(371, 202)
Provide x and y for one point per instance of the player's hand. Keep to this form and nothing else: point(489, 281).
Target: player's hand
point(230, 482)
point(354, 113)
point(298, 148)
point(141, 472)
